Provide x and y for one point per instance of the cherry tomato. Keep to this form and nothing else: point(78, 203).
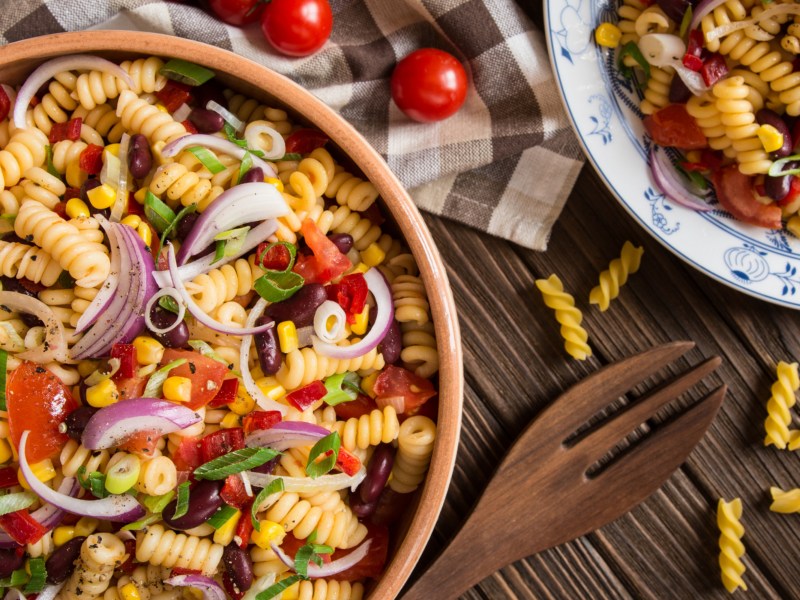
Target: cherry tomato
point(362, 405)
point(237, 12)
point(205, 373)
point(429, 85)
point(297, 27)
point(397, 381)
point(735, 194)
point(674, 126)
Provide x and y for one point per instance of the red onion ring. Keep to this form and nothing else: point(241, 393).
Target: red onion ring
point(331, 568)
point(118, 507)
point(215, 143)
point(14, 594)
point(255, 392)
point(106, 293)
point(48, 515)
point(667, 180)
point(48, 69)
point(210, 588)
point(172, 293)
point(50, 591)
point(254, 130)
point(287, 434)
point(377, 284)
point(54, 346)
point(112, 424)
point(701, 10)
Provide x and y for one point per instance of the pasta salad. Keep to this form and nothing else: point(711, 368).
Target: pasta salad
point(218, 362)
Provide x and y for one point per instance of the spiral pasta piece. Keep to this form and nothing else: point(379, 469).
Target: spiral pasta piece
point(43, 187)
point(181, 184)
point(415, 442)
point(616, 276)
point(628, 12)
point(103, 119)
point(140, 117)
point(731, 548)
point(339, 529)
point(75, 455)
point(88, 266)
point(163, 547)
point(101, 553)
point(329, 589)
point(210, 290)
point(25, 150)
point(301, 367)
point(410, 300)
point(780, 404)
point(705, 112)
point(44, 547)
point(351, 191)
point(379, 426)
point(575, 336)
point(738, 118)
point(55, 104)
point(249, 109)
point(420, 351)
point(23, 261)
point(157, 476)
point(728, 12)
point(149, 582)
point(785, 501)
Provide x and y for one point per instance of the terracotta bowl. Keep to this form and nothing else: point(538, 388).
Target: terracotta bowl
point(20, 58)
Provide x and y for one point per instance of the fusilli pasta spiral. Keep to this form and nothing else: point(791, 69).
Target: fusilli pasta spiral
point(780, 404)
point(731, 548)
point(616, 276)
point(575, 336)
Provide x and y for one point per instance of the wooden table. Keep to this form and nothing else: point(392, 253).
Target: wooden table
point(515, 364)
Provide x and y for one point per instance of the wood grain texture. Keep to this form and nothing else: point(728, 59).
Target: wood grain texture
point(515, 364)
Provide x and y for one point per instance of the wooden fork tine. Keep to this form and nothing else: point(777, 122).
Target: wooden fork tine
point(600, 441)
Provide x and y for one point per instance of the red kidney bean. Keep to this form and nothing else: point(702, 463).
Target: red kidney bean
point(678, 92)
point(360, 508)
point(238, 566)
point(344, 241)
point(254, 175)
point(88, 186)
point(392, 343)
point(766, 116)
point(269, 353)
point(10, 561)
point(60, 564)
point(209, 91)
point(206, 121)
point(140, 158)
point(175, 338)
point(76, 421)
point(204, 501)
point(778, 187)
point(12, 285)
point(185, 225)
point(301, 307)
point(378, 471)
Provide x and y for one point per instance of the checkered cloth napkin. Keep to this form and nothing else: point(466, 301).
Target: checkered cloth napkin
point(505, 163)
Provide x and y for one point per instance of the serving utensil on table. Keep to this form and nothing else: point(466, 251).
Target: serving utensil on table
point(550, 487)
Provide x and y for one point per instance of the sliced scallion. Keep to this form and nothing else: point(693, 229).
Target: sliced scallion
point(159, 214)
point(157, 379)
point(685, 21)
point(16, 501)
point(208, 158)
point(292, 249)
point(222, 516)
point(38, 576)
point(245, 166)
point(142, 523)
point(276, 589)
point(168, 303)
point(186, 72)
point(291, 156)
point(49, 162)
point(275, 286)
point(156, 504)
point(182, 504)
point(338, 391)
point(776, 169)
point(16, 579)
point(186, 210)
point(275, 486)
point(327, 447)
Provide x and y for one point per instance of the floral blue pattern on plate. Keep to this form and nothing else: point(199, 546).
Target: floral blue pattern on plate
point(603, 106)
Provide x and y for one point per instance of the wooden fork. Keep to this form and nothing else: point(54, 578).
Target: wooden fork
point(542, 495)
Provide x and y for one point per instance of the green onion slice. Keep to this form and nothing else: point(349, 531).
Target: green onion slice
point(205, 349)
point(235, 462)
point(685, 22)
point(49, 161)
point(310, 552)
point(157, 504)
point(142, 523)
point(159, 214)
point(182, 505)
point(208, 158)
point(230, 133)
point(275, 486)
point(16, 501)
point(168, 303)
point(245, 166)
point(186, 72)
point(276, 589)
point(186, 210)
point(16, 579)
point(230, 242)
point(338, 389)
point(292, 255)
point(328, 445)
point(157, 379)
point(38, 576)
point(3, 366)
point(275, 286)
point(291, 156)
point(632, 50)
point(776, 169)
point(222, 516)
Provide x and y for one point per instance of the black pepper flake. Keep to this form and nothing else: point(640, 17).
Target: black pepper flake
point(34, 257)
point(192, 368)
point(29, 237)
point(40, 369)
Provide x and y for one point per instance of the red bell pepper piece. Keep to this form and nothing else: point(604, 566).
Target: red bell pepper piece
point(326, 263)
point(244, 528)
point(692, 62)
point(8, 475)
point(130, 563)
point(695, 45)
point(221, 442)
point(22, 527)
point(189, 126)
point(226, 394)
point(71, 130)
point(134, 208)
point(261, 419)
point(714, 68)
point(347, 462)
point(187, 456)
point(306, 396)
point(350, 293)
point(276, 258)
point(233, 492)
point(304, 141)
point(91, 159)
point(184, 571)
point(173, 94)
point(61, 210)
point(126, 353)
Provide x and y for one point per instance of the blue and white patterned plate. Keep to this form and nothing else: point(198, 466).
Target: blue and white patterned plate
point(604, 109)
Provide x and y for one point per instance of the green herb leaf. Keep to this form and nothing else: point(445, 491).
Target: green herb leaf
point(16, 501)
point(168, 303)
point(291, 156)
point(207, 158)
point(95, 482)
point(338, 391)
point(168, 232)
point(142, 523)
point(275, 486)
point(310, 552)
point(186, 72)
point(632, 50)
point(245, 166)
point(685, 22)
point(292, 255)
point(49, 161)
point(157, 379)
point(235, 462)
point(222, 516)
point(275, 286)
point(157, 504)
point(329, 446)
point(277, 589)
point(230, 133)
point(3, 366)
point(182, 505)
point(9, 217)
point(159, 214)
point(38, 576)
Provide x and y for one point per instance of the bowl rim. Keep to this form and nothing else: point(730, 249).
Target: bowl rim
point(399, 203)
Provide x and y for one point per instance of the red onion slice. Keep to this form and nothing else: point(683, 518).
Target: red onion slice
point(54, 346)
point(702, 9)
point(288, 434)
point(182, 113)
point(14, 594)
point(331, 568)
point(117, 508)
point(111, 425)
point(377, 284)
point(47, 70)
point(669, 182)
point(121, 183)
point(210, 588)
point(250, 385)
point(252, 133)
point(322, 317)
point(106, 292)
point(237, 206)
point(172, 293)
point(48, 515)
point(213, 142)
point(50, 591)
point(230, 118)
point(306, 485)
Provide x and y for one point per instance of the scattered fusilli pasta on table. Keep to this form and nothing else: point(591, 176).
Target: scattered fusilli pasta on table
point(575, 336)
point(787, 501)
point(616, 275)
point(731, 548)
point(780, 404)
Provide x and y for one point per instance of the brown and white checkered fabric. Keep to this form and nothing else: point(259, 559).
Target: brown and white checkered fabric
point(505, 163)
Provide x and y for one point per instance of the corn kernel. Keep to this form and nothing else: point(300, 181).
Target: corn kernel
point(76, 208)
point(270, 532)
point(112, 149)
point(129, 591)
point(161, 107)
point(103, 196)
point(373, 255)
point(368, 384)
point(360, 268)
point(145, 233)
point(5, 451)
point(274, 181)
point(149, 351)
point(608, 35)
point(63, 534)
point(86, 526)
point(361, 321)
point(244, 403)
point(230, 420)
point(771, 138)
point(293, 591)
point(140, 194)
point(270, 387)
point(43, 470)
point(102, 394)
point(74, 175)
point(224, 535)
point(132, 221)
point(287, 336)
point(177, 389)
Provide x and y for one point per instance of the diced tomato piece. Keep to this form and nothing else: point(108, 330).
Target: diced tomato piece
point(696, 42)
point(735, 194)
point(126, 353)
point(221, 442)
point(794, 192)
point(430, 409)
point(60, 209)
point(374, 214)
point(189, 126)
point(353, 409)
point(306, 396)
point(347, 462)
point(226, 394)
point(91, 159)
point(142, 443)
point(233, 492)
point(206, 374)
point(304, 141)
point(130, 563)
point(173, 94)
point(244, 528)
point(37, 401)
point(71, 193)
point(397, 381)
point(673, 126)
point(8, 476)
point(261, 419)
point(131, 387)
point(185, 571)
point(5, 104)
point(327, 261)
point(188, 456)
point(350, 293)
point(276, 258)
point(22, 527)
point(134, 208)
point(714, 68)
point(691, 62)
point(371, 566)
point(71, 130)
